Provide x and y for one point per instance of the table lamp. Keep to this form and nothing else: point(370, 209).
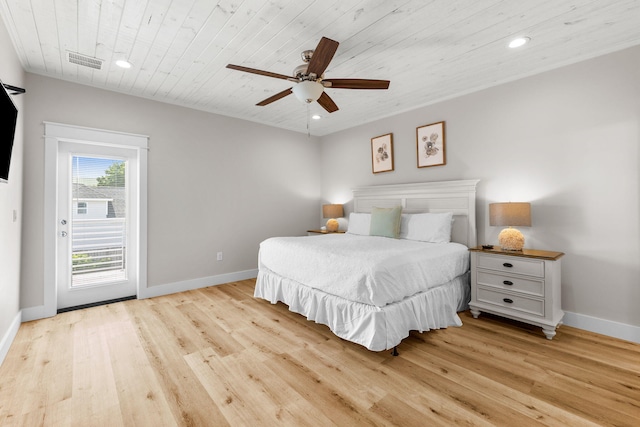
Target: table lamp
point(332, 212)
point(510, 214)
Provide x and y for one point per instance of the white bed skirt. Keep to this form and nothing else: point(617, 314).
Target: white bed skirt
point(376, 328)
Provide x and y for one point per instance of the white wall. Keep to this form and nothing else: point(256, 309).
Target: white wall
point(215, 183)
point(10, 201)
point(566, 141)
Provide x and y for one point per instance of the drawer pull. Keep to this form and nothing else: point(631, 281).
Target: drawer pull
point(508, 283)
point(507, 264)
point(508, 300)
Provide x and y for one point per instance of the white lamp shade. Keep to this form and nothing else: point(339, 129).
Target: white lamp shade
point(307, 91)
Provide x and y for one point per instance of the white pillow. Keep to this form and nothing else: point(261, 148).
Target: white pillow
point(359, 223)
point(427, 227)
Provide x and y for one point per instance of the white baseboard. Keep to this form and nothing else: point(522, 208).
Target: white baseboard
point(37, 312)
point(187, 285)
point(602, 326)
point(8, 337)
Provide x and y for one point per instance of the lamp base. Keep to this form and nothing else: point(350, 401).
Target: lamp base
point(332, 225)
point(511, 239)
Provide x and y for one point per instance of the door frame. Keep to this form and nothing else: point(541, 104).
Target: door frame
point(54, 133)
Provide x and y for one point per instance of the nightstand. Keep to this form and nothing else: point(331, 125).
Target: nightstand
point(521, 285)
point(312, 232)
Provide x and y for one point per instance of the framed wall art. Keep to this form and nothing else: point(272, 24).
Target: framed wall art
point(382, 153)
point(431, 145)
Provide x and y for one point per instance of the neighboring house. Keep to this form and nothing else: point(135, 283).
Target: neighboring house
point(98, 202)
point(98, 217)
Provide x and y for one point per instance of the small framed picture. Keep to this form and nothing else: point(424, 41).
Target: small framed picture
point(382, 153)
point(431, 145)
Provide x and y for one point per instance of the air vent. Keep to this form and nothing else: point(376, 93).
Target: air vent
point(84, 60)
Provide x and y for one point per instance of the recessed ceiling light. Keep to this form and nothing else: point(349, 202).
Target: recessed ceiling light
point(316, 117)
point(123, 64)
point(520, 41)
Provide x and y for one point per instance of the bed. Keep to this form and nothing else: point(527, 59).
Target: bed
point(374, 290)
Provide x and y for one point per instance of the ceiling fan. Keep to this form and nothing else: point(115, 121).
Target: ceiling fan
point(309, 78)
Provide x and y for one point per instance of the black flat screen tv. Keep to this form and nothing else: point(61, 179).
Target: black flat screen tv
point(8, 119)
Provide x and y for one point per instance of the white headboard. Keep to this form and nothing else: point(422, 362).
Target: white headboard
point(458, 197)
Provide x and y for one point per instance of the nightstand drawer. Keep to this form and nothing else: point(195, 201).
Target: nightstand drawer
point(512, 283)
point(510, 301)
point(511, 264)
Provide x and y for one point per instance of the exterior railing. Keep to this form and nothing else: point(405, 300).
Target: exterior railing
point(98, 245)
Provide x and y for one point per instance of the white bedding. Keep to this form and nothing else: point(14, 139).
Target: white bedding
point(369, 270)
point(376, 328)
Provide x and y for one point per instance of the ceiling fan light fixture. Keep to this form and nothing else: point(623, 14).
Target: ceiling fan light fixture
point(308, 91)
point(310, 81)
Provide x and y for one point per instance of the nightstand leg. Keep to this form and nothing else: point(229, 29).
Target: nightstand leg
point(475, 313)
point(549, 332)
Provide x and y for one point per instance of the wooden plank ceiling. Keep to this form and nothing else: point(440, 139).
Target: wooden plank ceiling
point(430, 50)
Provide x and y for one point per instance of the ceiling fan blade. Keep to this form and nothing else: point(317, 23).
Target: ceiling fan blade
point(357, 84)
point(327, 103)
point(322, 55)
point(261, 72)
point(275, 97)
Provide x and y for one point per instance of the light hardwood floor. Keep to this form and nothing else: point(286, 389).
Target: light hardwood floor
point(217, 357)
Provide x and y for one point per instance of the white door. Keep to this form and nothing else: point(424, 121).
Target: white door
point(96, 223)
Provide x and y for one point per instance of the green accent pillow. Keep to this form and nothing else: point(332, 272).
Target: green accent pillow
point(385, 222)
